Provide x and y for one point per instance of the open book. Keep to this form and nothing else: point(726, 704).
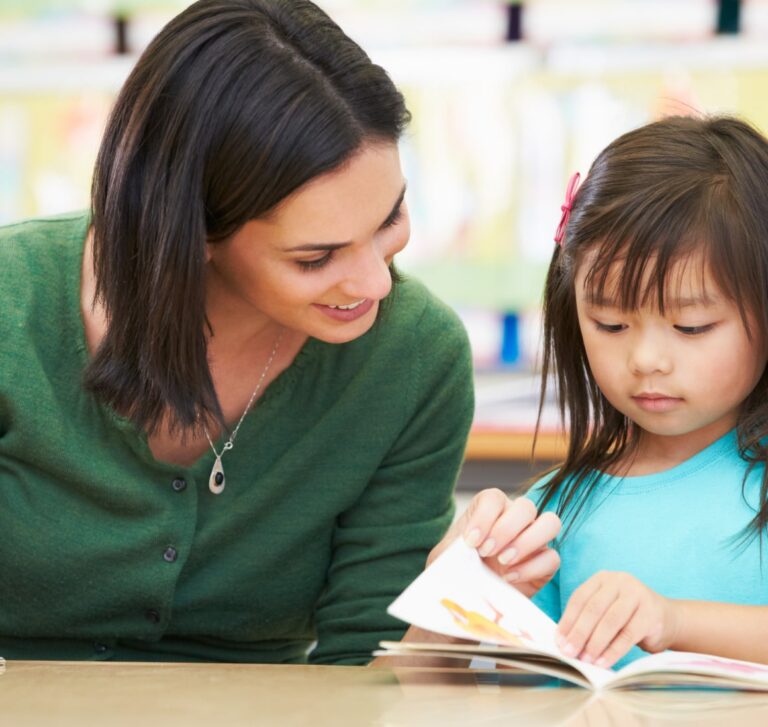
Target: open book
point(458, 595)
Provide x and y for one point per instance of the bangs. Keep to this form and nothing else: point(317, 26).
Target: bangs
point(649, 253)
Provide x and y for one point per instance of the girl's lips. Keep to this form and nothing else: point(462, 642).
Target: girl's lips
point(339, 314)
point(656, 403)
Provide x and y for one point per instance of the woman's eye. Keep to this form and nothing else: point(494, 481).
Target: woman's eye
point(694, 330)
point(394, 218)
point(315, 264)
point(610, 327)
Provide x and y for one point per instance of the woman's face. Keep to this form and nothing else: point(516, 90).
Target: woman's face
point(319, 264)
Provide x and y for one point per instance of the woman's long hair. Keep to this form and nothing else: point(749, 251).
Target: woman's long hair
point(233, 106)
point(675, 188)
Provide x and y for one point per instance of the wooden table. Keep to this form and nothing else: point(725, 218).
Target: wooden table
point(69, 694)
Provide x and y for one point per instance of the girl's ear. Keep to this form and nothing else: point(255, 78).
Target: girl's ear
point(207, 252)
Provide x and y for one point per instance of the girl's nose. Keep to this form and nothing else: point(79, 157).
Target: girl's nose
point(650, 355)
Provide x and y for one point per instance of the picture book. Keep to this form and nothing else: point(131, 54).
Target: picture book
point(459, 596)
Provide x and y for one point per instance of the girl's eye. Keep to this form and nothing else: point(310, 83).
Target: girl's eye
point(610, 328)
point(315, 264)
point(694, 330)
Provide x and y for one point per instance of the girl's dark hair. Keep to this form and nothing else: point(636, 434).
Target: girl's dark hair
point(654, 196)
point(233, 106)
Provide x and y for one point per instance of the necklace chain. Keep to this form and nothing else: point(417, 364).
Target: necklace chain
point(216, 483)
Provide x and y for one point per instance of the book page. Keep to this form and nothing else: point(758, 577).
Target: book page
point(676, 667)
point(459, 596)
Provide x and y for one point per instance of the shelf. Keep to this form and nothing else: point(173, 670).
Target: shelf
point(514, 445)
point(104, 75)
point(455, 65)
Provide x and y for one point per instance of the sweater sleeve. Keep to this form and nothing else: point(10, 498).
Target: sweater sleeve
point(381, 543)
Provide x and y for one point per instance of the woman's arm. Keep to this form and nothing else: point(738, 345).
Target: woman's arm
point(400, 520)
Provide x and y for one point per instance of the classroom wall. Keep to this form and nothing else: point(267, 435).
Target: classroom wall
point(508, 99)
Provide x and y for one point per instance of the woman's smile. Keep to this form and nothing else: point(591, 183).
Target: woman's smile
point(349, 312)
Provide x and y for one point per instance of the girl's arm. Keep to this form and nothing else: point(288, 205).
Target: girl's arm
point(612, 612)
point(724, 629)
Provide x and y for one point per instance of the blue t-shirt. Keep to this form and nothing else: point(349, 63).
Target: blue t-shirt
point(676, 531)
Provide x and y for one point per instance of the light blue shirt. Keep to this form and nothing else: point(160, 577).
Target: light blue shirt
point(672, 530)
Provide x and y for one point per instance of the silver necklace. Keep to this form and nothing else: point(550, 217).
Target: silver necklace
point(217, 481)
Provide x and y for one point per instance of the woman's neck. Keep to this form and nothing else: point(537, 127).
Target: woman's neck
point(233, 326)
point(234, 331)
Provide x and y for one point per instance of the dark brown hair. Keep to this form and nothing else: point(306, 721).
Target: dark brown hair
point(233, 106)
point(652, 198)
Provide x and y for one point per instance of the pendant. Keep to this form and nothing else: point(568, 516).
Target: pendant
point(216, 480)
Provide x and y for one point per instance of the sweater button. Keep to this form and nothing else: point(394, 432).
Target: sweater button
point(100, 648)
point(152, 615)
point(179, 485)
point(170, 554)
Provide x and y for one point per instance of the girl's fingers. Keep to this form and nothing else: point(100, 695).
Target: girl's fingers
point(624, 640)
point(611, 626)
point(576, 602)
point(518, 514)
point(585, 608)
point(483, 512)
point(541, 531)
point(476, 522)
point(509, 531)
point(540, 565)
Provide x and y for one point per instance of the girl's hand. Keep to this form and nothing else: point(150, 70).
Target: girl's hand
point(611, 612)
point(509, 537)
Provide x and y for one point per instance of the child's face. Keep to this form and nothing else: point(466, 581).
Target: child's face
point(681, 374)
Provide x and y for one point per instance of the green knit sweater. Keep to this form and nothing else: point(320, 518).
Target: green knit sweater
point(340, 483)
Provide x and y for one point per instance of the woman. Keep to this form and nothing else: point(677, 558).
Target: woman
point(226, 431)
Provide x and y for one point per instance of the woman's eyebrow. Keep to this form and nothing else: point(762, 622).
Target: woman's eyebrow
point(316, 246)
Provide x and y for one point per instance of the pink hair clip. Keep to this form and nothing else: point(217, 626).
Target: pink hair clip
point(570, 193)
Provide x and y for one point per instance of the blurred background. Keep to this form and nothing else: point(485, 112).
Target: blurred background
point(508, 99)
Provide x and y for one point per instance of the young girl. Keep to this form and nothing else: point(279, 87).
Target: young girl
point(656, 312)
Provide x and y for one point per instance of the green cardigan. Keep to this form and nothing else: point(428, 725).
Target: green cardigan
point(340, 483)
